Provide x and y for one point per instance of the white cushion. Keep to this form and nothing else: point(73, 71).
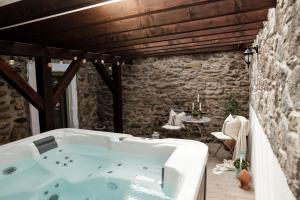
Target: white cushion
point(232, 128)
point(179, 119)
point(221, 136)
point(172, 116)
point(229, 118)
point(176, 119)
point(169, 127)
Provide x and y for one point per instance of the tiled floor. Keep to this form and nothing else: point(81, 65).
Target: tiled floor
point(224, 186)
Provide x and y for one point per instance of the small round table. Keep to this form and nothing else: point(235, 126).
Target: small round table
point(196, 122)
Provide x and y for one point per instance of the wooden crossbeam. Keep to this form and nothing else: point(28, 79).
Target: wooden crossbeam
point(105, 76)
point(20, 85)
point(115, 86)
point(31, 50)
point(66, 79)
point(174, 16)
point(182, 47)
point(186, 41)
point(183, 27)
point(45, 89)
point(137, 22)
point(118, 40)
point(194, 51)
point(107, 13)
point(215, 43)
point(117, 97)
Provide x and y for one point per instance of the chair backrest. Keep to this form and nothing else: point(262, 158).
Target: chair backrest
point(175, 109)
point(176, 117)
point(231, 127)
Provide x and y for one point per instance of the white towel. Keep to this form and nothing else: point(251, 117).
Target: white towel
point(227, 165)
point(241, 142)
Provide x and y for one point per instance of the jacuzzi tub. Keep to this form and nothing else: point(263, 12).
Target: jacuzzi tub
point(93, 165)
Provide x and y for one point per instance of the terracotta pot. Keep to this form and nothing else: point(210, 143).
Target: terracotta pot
point(245, 179)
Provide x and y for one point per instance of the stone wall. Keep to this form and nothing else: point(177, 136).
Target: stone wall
point(14, 109)
point(275, 86)
point(151, 86)
point(94, 100)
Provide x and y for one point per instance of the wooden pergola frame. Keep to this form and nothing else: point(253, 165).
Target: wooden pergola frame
point(116, 32)
point(47, 96)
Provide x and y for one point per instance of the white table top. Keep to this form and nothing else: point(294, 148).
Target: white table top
point(202, 120)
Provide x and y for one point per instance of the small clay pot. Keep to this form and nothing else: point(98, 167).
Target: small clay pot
point(245, 179)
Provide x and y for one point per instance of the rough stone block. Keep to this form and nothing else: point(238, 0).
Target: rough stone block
point(294, 121)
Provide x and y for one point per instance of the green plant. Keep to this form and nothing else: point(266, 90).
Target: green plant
point(232, 105)
point(195, 114)
point(245, 164)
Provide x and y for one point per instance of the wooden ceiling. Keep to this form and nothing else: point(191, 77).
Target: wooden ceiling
point(136, 27)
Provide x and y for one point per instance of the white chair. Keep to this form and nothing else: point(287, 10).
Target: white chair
point(221, 137)
point(173, 120)
point(230, 131)
point(171, 128)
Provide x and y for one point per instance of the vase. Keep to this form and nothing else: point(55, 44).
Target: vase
point(245, 179)
point(237, 172)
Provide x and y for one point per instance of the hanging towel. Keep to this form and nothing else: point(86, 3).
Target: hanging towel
point(241, 142)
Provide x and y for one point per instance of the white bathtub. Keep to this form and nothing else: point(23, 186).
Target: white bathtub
point(184, 169)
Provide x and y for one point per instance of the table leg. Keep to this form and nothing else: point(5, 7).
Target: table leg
point(188, 131)
point(200, 128)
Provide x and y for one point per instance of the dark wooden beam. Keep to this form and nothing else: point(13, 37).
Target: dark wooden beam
point(186, 41)
point(194, 51)
point(188, 47)
point(62, 85)
point(120, 40)
point(107, 13)
point(31, 50)
point(115, 86)
point(170, 29)
point(44, 88)
point(105, 76)
point(18, 83)
point(117, 97)
point(29, 9)
point(175, 16)
point(201, 46)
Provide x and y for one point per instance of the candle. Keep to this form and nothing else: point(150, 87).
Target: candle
point(198, 98)
point(200, 108)
point(193, 106)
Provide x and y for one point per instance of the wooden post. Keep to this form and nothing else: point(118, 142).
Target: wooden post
point(62, 85)
point(45, 89)
point(115, 87)
point(117, 97)
point(105, 76)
